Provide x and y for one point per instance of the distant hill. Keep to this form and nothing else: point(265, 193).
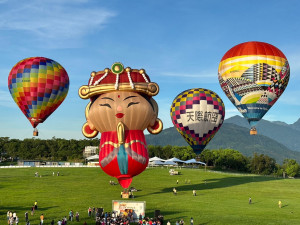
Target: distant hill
point(286, 134)
point(296, 125)
point(232, 136)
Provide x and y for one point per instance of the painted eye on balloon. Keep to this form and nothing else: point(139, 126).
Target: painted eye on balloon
point(107, 105)
point(132, 103)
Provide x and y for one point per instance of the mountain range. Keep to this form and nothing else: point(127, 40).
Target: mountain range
point(276, 139)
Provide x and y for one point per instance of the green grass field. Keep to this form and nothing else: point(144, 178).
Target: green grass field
point(222, 200)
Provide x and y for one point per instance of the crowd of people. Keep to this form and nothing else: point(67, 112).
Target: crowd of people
point(12, 218)
point(124, 218)
point(101, 217)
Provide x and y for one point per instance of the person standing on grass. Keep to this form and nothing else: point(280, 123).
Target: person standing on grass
point(11, 220)
point(58, 222)
point(77, 216)
point(17, 220)
point(94, 210)
point(35, 205)
point(194, 193)
point(42, 219)
point(28, 223)
point(26, 216)
point(14, 215)
point(32, 210)
point(250, 200)
point(168, 223)
point(181, 222)
point(279, 204)
point(71, 215)
point(174, 191)
point(90, 212)
point(192, 221)
point(52, 222)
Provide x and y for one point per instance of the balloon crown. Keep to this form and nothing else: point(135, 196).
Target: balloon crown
point(118, 78)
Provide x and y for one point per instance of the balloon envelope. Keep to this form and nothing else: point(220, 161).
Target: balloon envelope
point(38, 85)
point(123, 161)
point(197, 114)
point(253, 75)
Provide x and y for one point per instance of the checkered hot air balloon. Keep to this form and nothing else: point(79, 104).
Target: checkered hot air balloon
point(197, 114)
point(253, 76)
point(38, 85)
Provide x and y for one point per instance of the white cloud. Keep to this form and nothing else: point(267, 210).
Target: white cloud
point(58, 21)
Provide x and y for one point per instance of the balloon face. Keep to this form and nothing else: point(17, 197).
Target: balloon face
point(130, 108)
point(197, 114)
point(38, 85)
point(253, 75)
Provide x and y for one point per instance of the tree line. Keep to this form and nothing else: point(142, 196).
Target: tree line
point(72, 150)
point(55, 149)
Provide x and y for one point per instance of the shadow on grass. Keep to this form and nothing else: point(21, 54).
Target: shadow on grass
point(216, 183)
point(39, 211)
point(169, 213)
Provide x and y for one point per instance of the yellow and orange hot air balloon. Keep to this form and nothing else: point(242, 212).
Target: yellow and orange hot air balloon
point(253, 76)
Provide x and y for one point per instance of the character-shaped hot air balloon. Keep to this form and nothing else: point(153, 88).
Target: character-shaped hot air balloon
point(38, 85)
point(197, 114)
point(253, 75)
point(121, 107)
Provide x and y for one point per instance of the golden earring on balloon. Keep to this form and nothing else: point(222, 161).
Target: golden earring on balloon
point(88, 132)
point(156, 128)
point(86, 129)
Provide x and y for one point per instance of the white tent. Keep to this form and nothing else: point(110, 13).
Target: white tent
point(157, 162)
point(156, 159)
point(191, 161)
point(169, 162)
point(175, 160)
point(93, 157)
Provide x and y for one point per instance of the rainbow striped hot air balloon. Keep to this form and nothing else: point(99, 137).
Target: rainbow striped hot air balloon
point(253, 75)
point(38, 85)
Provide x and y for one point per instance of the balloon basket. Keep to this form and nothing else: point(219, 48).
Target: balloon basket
point(125, 193)
point(35, 133)
point(253, 132)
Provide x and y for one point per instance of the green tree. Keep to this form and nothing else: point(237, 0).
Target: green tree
point(208, 157)
point(262, 164)
point(291, 167)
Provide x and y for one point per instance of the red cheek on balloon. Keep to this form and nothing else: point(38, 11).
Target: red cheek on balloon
point(118, 96)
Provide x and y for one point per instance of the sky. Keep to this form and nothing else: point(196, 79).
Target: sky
point(178, 43)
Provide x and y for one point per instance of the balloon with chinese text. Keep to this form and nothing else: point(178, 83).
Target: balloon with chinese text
point(197, 114)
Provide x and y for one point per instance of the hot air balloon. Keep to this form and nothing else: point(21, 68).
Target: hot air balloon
point(120, 108)
point(253, 75)
point(197, 114)
point(38, 85)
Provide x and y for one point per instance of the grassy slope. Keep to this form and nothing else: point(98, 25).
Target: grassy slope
point(222, 200)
